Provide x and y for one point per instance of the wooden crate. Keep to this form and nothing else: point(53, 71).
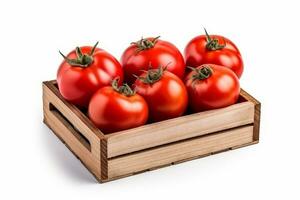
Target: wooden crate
point(151, 146)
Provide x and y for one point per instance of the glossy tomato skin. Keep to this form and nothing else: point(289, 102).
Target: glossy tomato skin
point(166, 98)
point(162, 54)
point(197, 54)
point(219, 90)
point(111, 111)
point(77, 84)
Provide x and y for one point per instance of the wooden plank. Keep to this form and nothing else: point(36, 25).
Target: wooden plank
point(53, 93)
point(75, 116)
point(60, 128)
point(179, 162)
point(184, 127)
point(175, 152)
point(59, 121)
point(257, 114)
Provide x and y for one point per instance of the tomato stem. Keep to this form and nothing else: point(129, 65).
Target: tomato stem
point(213, 43)
point(94, 48)
point(202, 73)
point(144, 44)
point(82, 60)
point(123, 89)
point(152, 75)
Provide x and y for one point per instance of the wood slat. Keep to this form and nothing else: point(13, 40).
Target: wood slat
point(167, 154)
point(92, 134)
point(61, 131)
point(179, 128)
point(257, 107)
point(58, 120)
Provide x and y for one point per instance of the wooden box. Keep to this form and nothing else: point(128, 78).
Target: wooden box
point(150, 146)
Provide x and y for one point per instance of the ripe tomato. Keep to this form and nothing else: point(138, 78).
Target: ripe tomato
point(116, 108)
point(85, 70)
point(211, 86)
point(214, 49)
point(164, 92)
point(155, 52)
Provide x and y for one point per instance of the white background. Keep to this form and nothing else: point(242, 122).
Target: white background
point(36, 165)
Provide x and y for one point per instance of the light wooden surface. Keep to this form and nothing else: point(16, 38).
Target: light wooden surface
point(65, 131)
point(179, 128)
point(179, 151)
point(257, 108)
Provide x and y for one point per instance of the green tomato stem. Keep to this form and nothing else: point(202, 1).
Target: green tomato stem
point(213, 43)
point(123, 89)
point(82, 60)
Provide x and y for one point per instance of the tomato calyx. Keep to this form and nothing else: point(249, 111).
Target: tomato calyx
point(144, 44)
point(204, 72)
point(152, 75)
point(123, 89)
point(82, 60)
point(213, 43)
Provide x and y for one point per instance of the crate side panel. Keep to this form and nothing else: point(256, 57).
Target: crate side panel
point(76, 121)
point(257, 113)
point(60, 129)
point(70, 110)
point(168, 154)
point(65, 131)
point(180, 128)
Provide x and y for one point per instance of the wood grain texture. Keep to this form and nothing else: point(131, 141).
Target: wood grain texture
point(179, 128)
point(69, 110)
point(257, 113)
point(67, 133)
point(179, 162)
point(167, 154)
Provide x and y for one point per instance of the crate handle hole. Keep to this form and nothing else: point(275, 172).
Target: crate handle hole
point(76, 133)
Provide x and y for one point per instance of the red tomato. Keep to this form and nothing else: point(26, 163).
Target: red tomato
point(116, 108)
point(211, 86)
point(214, 49)
point(155, 52)
point(85, 70)
point(164, 92)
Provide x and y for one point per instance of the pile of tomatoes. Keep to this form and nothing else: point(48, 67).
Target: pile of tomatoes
point(153, 81)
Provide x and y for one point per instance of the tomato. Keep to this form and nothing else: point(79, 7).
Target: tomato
point(84, 71)
point(164, 92)
point(114, 108)
point(211, 86)
point(155, 52)
point(214, 49)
